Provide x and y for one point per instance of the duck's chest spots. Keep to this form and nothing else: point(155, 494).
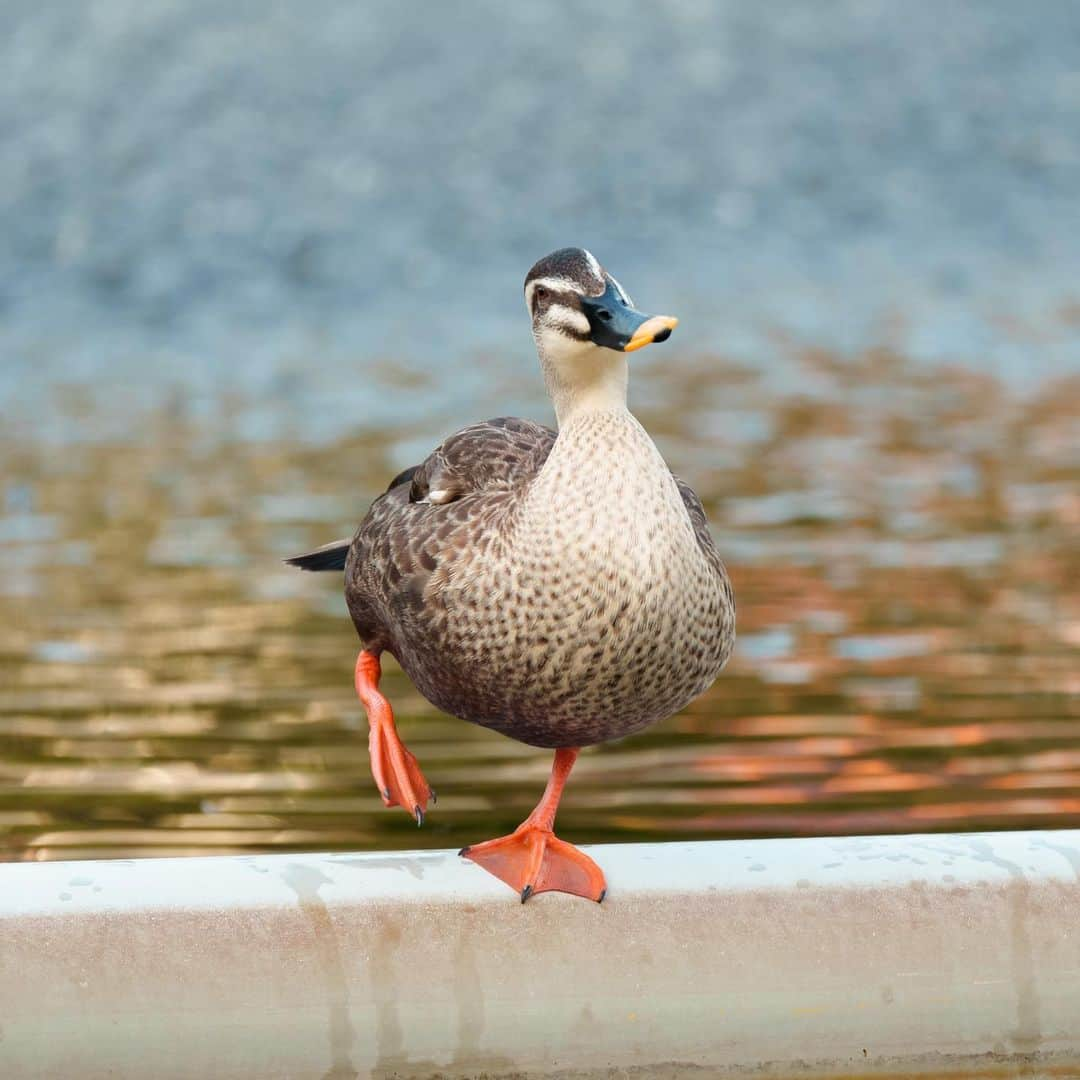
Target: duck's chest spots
point(604, 522)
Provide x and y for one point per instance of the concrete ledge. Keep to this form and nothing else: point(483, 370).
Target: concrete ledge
point(911, 955)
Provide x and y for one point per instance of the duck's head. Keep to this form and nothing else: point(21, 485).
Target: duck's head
point(583, 322)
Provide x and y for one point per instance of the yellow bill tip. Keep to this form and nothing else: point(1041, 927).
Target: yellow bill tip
point(658, 328)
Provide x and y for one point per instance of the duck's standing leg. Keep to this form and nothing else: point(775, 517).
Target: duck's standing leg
point(532, 859)
point(398, 776)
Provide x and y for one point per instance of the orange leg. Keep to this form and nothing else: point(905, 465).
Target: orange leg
point(398, 776)
point(532, 859)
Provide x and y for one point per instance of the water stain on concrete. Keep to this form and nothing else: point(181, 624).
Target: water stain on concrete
point(1069, 854)
point(1027, 1035)
point(412, 865)
point(306, 881)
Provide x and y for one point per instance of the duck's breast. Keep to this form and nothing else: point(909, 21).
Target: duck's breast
point(594, 611)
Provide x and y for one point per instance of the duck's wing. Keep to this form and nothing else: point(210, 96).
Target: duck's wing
point(703, 532)
point(494, 453)
point(417, 531)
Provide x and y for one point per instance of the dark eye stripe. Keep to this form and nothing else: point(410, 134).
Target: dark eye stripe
point(573, 332)
point(567, 298)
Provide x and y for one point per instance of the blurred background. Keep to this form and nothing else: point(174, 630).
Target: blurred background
point(258, 257)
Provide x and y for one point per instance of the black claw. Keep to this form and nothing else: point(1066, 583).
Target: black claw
point(464, 850)
point(526, 893)
point(600, 898)
point(386, 793)
point(434, 797)
point(419, 816)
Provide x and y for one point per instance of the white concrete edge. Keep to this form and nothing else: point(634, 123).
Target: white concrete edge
point(902, 955)
point(632, 869)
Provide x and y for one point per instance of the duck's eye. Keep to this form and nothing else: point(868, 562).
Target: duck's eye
point(541, 294)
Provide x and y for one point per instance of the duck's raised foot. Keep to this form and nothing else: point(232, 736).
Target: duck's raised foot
point(397, 772)
point(533, 860)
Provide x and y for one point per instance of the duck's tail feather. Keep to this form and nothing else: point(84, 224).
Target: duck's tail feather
point(328, 557)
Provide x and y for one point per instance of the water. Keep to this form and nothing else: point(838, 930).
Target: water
point(908, 663)
point(237, 195)
point(256, 259)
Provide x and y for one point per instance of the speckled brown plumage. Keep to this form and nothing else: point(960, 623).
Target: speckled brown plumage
point(564, 590)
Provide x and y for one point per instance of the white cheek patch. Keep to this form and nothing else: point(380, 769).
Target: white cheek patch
point(559, 315)
point(556, 346)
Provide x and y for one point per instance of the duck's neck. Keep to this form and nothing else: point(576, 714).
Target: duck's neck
point(604, 486)
point(593, 382)
point(600, 445)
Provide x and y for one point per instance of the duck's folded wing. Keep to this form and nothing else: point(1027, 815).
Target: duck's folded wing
point(505, 450)
point(494, 452)
point(701, 527)
point(414, 536)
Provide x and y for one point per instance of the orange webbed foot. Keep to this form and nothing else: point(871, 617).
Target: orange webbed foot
point(533, 859)
point(397, 773)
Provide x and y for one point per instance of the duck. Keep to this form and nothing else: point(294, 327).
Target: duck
point(559, 586)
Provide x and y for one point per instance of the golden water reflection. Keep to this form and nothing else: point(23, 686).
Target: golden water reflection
point(903, 543)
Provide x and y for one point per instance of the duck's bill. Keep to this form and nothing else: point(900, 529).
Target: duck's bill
point(654, 328)
point(614, 324)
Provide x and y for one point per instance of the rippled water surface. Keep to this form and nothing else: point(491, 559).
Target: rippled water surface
point(902, 542)
point(257, 258)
